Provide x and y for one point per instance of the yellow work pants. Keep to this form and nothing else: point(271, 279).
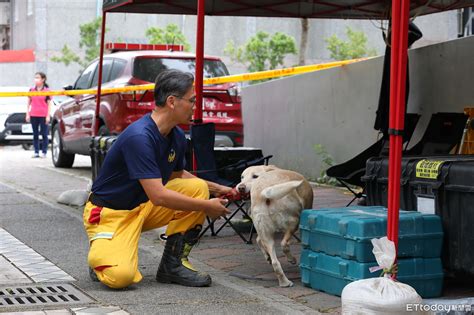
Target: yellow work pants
point(114, 239)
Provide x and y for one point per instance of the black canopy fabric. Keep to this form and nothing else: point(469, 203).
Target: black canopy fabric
point(339, 9)
point(382, 117)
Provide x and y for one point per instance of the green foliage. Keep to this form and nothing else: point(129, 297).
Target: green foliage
point(262, 52)
point(90, 33)
point(354, 47)
point(169, 35)
point(326, 162)
point(68, 57)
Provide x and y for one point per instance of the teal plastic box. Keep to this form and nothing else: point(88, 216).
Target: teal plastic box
point(347, 232)
point(331, 274)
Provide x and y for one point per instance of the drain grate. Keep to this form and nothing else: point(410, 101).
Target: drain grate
point(31, 295)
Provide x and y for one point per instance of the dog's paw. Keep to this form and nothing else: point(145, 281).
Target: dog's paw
point(285, 284)
point(269, 260)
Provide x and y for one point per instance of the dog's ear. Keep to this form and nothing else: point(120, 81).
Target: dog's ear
point(280, 190)
point(270, 168)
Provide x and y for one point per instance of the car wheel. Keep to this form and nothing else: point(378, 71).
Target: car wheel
point(26, 146)
point(60, 157)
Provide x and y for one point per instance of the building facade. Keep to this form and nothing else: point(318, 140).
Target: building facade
point(47, 25)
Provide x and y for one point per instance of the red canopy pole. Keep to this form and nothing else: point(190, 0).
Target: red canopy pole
point(198, 80)
point(395, 27)
point(99, 82)
point(398, 66)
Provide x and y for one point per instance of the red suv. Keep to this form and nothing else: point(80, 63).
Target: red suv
point(73, 122)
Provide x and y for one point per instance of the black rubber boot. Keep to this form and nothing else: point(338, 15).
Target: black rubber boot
point(174, 265)
point(93, 275)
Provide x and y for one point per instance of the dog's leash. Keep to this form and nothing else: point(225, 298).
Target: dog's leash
point(235, 195)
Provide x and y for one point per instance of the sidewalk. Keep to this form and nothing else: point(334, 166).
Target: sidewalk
point(243, 282)
point(231, 255)
point(29, 213)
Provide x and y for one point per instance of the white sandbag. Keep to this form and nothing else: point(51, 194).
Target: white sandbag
point(75, 197)
point(380, 296)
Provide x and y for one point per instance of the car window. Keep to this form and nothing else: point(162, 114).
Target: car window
point(148, 68)
point(83, 81)
point(105, 72)
point(117, 69)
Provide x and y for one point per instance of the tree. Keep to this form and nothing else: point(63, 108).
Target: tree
point(326, 162)
point(169, 35)
point(90, 33)
point(304, 41)
point(354, 47)
point(262, 52)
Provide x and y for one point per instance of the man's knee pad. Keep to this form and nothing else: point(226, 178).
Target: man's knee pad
point(117, 277)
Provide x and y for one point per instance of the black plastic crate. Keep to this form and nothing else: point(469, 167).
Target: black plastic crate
point(376, 182)
point(98, 150)
point(443, 185)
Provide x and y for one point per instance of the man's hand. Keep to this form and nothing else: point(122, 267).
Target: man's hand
point(27, 118)
point(221, 191)
point(216, 208)
point(47, 120)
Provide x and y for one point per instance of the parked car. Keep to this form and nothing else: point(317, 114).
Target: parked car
point(73, 122)
point(13, 127)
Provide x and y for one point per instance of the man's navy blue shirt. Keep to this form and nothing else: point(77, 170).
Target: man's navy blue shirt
point(139, 152)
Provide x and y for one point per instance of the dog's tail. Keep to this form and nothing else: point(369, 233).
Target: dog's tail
point(280, 190)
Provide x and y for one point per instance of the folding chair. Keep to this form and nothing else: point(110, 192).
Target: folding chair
point(444, 132)
point(350, 172)
point(202, 141)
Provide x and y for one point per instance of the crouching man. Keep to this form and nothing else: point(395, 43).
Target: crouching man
point(142, 185)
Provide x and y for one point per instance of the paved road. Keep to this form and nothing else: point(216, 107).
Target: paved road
point(28, 212)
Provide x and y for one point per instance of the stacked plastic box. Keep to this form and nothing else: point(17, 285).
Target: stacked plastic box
point(443, 185)
point(337, 248)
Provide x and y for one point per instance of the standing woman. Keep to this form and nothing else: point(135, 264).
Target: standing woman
point(38, 113)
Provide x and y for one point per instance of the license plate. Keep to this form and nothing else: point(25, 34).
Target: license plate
point(26, 128)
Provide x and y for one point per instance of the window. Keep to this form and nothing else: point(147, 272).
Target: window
point(105, 73)
point(84, 80)
point(29, 8)
point(148, 68)
point(117, 69)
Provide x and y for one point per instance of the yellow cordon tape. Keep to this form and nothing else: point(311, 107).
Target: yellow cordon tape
point(227, 79)
point(278, 73)
point(131, 88)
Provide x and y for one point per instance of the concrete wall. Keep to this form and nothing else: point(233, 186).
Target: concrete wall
point(336, 107)
point(442, 78)
point(13, 74)
point(63, 31)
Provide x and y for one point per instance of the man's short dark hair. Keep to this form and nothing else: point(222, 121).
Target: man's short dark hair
point(171, 82)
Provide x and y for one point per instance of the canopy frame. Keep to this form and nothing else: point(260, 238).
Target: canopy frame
point(398, 10)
